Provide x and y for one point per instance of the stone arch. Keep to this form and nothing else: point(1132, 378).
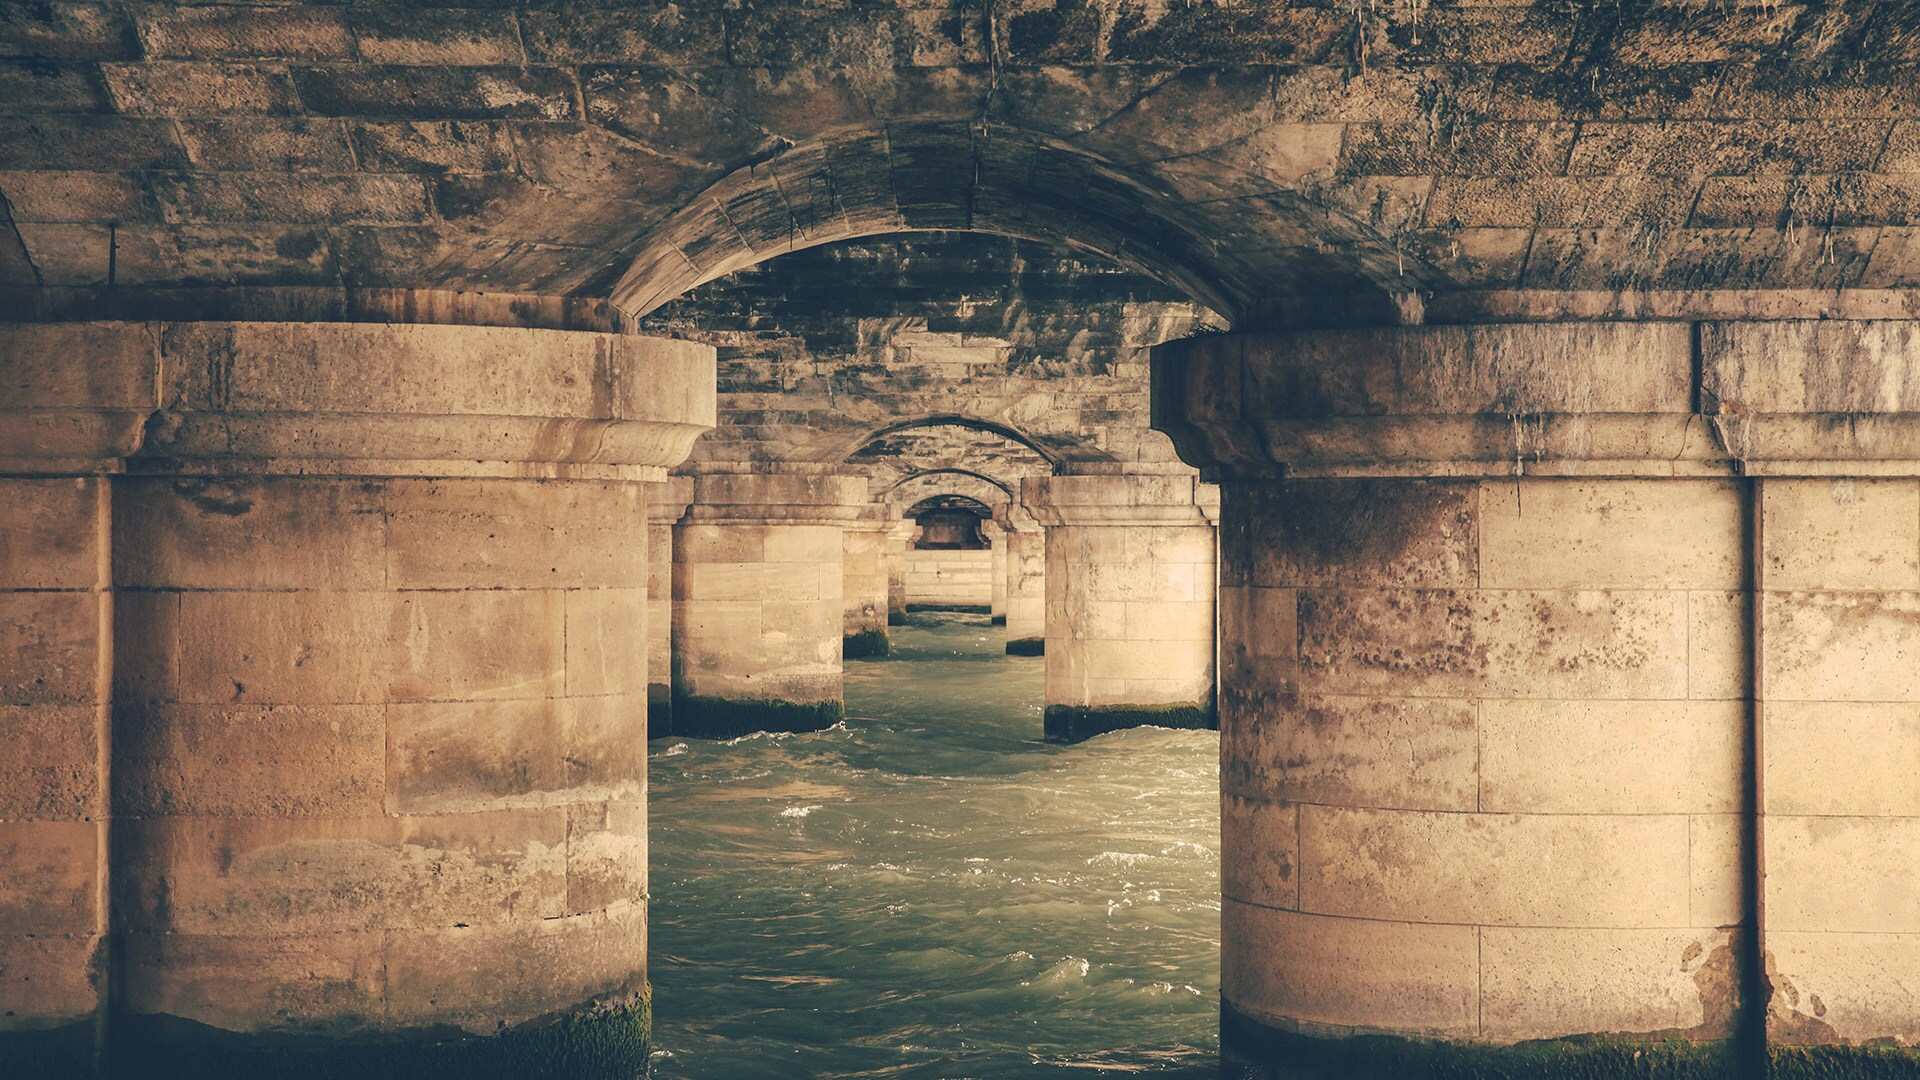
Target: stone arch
point(977, 487)
point(1053, 456)
point(978, 176)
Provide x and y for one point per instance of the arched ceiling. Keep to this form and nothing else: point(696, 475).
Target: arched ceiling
point(1281, 162)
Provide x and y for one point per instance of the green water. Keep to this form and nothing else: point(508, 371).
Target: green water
point(930, 891)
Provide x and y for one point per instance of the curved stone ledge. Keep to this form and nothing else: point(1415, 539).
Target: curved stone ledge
point(349, 398)
point(1561, 399)
point(1119, 499)
point(783, 498)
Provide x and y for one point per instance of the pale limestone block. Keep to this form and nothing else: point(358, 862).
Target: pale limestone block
point(1353, 533)
point(801, 582)
point(51, 647)
point(1549, 983)
point(1857, 759)
point(1842, 534)
point(50, 877)
point(1861, 987)
point(1402, 753)
point(146, 646)
point(55, 532)
point(1495, 869)
point(1296, 968)
point(1843, 874)
point(257, 981)
point(243, 759)
point(47, 979)
point(1714, 850)
point(481, 976)
point(1611, 757)
point(702, 582)
point(1828, 646)
point(1259, 851)
point(1168, 620)
point(603, 746)
point(1196, 687)
point(1144, 544)
point(310, 875)
point(280, 533)
point(51, 768)
point(526, 534)
point(1599, 644)
point(696, 544)
point(1719, 654)
point(1259, 639)
point(816, 544)
point(291, 648)
point(464, 756)
point(606, 855)
point(1634, 534)
point(469, 645)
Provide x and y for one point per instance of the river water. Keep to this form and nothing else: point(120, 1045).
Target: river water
point(931, 891)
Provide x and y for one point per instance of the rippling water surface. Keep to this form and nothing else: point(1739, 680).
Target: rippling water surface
point(930, 891)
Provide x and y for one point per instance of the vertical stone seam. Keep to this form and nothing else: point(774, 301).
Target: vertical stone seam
point(104, 944)
point(1754, 868)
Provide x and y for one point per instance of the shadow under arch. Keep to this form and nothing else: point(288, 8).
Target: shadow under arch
point(1053, 457)
point(930, 176)
point(964, 503)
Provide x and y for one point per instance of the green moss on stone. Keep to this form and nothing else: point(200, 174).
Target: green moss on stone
point(601, 1042)
point(1256, 1051)
point(67, 1052)
point(1075, 723)
point(725, 718)
point(1029, 646)
point(896, 618)
point(1844, 1063)
point(863, 644)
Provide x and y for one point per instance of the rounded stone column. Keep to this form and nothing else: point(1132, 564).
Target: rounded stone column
point(1564, 691)
point(758, 615)
point(898, 537)
point(1130, 602)
point(865, 583)
point(1026, 542)
point(667, 503)
point(377, 772)
point(997, 544)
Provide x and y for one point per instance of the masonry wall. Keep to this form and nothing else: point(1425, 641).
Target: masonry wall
point(950, 577)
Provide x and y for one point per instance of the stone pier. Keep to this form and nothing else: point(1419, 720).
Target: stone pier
point(865, 585)
point(377, 663)
point(758, 617)
point(1555, 643)
point(997, 545)
point(1130, 601)
point(1026, 577)
point(899, 538)
point(666, 504)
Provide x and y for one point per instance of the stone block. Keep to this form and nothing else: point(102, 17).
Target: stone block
point(287, 648)
point(1715, 841)
point(1843, 759)
point(146, 646)
point(52, 769)
point(50, 877)
point(1843, 874)
point(515, 534)
point(480, 977)
point(1398, 753)
point(1726, 147)
point(363, 199)
point(1350, 973)
point(1611, 757)
point(267, 534)
point(51, 647)
point(1259, 640)
point(245, 33)
point(465, 756)
point(279, 144)
point(48, 978)
point(249, 760)
point(68, 32)
point(91, 142)
point(607, 640)
point(433, 146)
point(54, 534)
point(1259, 851)
point(70, 196)
point(1576, 534)
point(603, 746)
point(258, 981)
point(606, 855)
point(672, 33)
point(37, 369)
point(1842, 534)
point(472, 645)
point(1832, 646)
point(1403, 533)
point(1719, 646)
point(1474, 149)
point(1586, 644)
point(1495, 869)
point(438, 93)
point(1859, 987)
point(457, 38)
point(313, 875)
point(1546, 983)
point(170, 88)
